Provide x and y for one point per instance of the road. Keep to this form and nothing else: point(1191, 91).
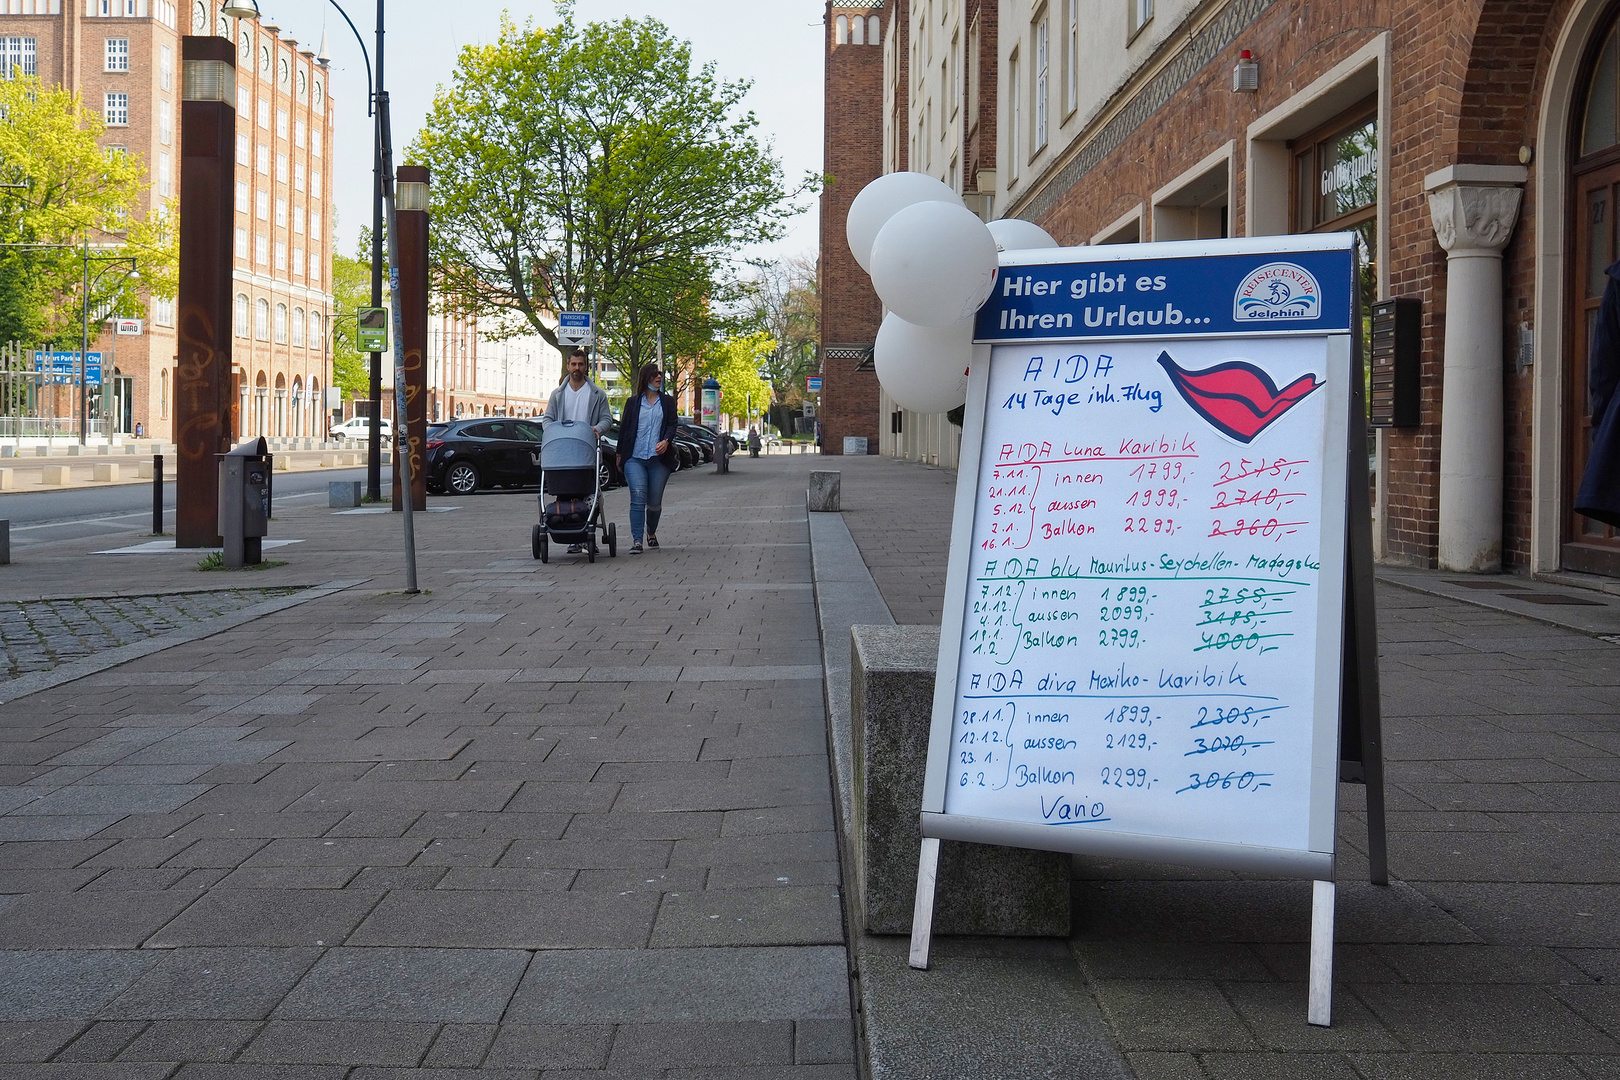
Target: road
point(39, 517)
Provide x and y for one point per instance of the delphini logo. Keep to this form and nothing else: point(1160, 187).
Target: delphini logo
point(1278, 292)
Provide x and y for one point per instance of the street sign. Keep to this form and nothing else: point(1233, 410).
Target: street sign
point(810, 410)
point(373, 329)
point(129, 327)
point(574, 330)
point(812, 384)
point(62, 368)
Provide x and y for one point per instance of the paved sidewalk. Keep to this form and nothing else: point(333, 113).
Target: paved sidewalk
point(1496, 950)
point(570, 819)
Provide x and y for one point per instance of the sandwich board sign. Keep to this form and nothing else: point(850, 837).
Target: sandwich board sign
point(1157, 639)
point(574, 330)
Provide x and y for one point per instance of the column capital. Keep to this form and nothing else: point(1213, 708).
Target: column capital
point(1474, 207)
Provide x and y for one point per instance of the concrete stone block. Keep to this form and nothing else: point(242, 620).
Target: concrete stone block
point(8, 480)
point(75, 450)
point(106, 472)
point(343, 494)
point(132, 449)
point(8, 451)
point(143, 470)
point(854, 445)
point(283, 463)
point(825, 492)
point(329, 461)
point(983, 890)
point(42, 451)
point(351, 459)
point(57, 475)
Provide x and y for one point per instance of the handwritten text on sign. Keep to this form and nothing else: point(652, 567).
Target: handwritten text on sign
point(1139, 649)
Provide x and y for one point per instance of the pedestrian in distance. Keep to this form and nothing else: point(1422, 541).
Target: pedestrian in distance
point(753, 441)
point(647, 454)
point(1599, 494)
point(578, 398)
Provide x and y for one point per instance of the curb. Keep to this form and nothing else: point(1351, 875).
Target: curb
point(36, 681)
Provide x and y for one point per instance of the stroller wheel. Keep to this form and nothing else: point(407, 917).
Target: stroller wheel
point(545, 549)
point(537, 540)
point(590, 548)
point(613, 539)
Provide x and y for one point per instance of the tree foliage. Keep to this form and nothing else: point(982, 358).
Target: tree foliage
point(594, 168)
point(69, 190)
point(735, 364)
point(783, 301)
point(351, 290)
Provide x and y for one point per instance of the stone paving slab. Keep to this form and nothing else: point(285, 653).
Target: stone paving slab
point(1489, 956)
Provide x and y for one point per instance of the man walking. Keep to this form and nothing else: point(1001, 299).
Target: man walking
point(582, 400)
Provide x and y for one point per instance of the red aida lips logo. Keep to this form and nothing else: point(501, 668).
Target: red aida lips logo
point(1237, 397)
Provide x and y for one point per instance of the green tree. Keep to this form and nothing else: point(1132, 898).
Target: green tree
point(596, 169)
point(783, 302)
point(64, 190)
point(735, 364)
point(351, 290)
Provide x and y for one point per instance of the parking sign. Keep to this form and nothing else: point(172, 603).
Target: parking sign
point(574, 329)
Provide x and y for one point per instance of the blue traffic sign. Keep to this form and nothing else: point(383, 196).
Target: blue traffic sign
point(62, 368)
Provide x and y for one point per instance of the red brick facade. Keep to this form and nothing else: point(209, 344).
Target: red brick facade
point(1464, 86)
point(850, 310)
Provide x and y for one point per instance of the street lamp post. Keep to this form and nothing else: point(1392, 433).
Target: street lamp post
point(84, 350)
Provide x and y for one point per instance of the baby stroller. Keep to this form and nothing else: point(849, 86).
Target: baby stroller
point(571, 477)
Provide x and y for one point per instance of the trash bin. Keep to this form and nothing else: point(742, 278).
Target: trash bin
point(244, 502)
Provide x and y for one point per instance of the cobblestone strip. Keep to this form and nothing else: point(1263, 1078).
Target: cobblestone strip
point(39, 635)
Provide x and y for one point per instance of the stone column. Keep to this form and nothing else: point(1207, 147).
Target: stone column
point(1474, 208)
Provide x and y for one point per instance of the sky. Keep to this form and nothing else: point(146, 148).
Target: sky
point(777, 45)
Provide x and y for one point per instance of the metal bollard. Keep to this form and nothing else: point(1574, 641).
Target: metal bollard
point(157, 494)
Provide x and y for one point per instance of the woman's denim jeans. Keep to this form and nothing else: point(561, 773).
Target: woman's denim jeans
point(646, 477)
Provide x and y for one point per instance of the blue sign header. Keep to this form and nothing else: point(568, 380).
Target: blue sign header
point(1204, 294)
point(63, 368)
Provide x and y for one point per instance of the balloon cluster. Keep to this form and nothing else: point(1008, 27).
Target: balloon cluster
point(933, 263)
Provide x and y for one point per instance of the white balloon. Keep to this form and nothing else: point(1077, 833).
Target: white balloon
point(933, 263)
point(878, 201)
point(923, 368)
point(1016, 234)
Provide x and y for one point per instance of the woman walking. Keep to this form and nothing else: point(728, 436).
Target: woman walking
point(647, 453)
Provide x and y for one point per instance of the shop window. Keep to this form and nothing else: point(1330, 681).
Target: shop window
point(841, 30)
point(1602, 127)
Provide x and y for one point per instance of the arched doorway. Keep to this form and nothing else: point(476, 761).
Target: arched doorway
point(1589, 545)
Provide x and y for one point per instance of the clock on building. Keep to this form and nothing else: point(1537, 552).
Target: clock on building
point(199, 17)
point(264, 59)
point(320, 93)
point(303, 84)
point(247, 45)
point(286, 72)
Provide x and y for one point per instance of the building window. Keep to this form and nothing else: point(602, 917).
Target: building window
point(262, 153)
point(117, 54)
point(264, 114)
point(242, 197)
point(261, 319)
point(1014, 129)
point(115, 110)
point(165, 177)
point(873, 28)
point(163, 314)
point(1042, 83)
point(262, 200)
point(244, 102)
point(281, 213)
point(314, 269)
point(241, 247)
point(315, 183)
point(261, 250)
point(281, 324)
point(281, 123)
point(298, 175)
point(314, 225)
point(1336, 188)
point(165, 122)
point(298, 327)
point(281, 255)
point(841, 30)
point(315, 333)
point(165, 67)
point(298, 220)
point(1141, 15)
point(115, 151)
point(1071, 57)
point(299, 131)
point(163, 394)
point(857, 31)
point(242, 157)
point(298, 260)
point(315, 142)
point(281, 167)
point(241, 312)
point(17, 55)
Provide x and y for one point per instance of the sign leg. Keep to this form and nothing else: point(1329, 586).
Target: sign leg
point(922, 915)
point(1319, 1009)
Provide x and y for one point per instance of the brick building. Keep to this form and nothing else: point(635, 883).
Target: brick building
point(123, 59)
point(1472, 143)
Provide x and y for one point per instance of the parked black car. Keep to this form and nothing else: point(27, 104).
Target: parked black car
point(491, 451)
point(611, 476)
point(706, 438)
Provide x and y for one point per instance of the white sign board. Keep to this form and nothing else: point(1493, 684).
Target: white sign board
point(1141, 647)
point(129, 327)
point(574, 330)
